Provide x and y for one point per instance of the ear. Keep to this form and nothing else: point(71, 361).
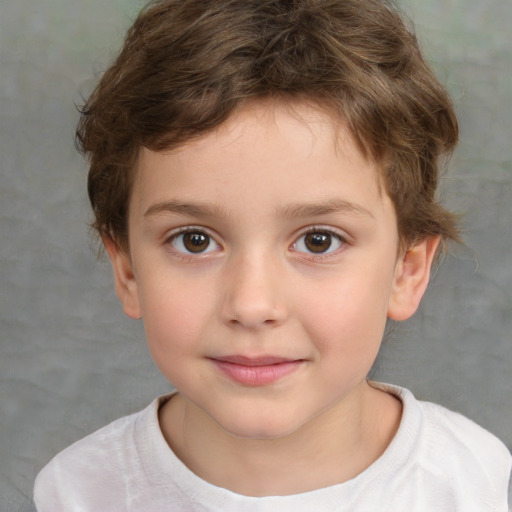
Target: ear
point(412, 274)
point(125, 282)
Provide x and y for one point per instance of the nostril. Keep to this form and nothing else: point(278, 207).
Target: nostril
point(254, 318)
point(252, 322)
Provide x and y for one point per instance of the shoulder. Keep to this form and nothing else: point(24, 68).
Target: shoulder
point(94, 466)
point(450, 433)
point(441, 430)
point(453, 454)
point(457, 448)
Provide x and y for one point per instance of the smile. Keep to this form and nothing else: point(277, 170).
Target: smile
point(259, 371)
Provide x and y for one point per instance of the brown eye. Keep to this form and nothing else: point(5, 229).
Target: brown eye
point(193, 242)
point(318, 242)
point(196, 242)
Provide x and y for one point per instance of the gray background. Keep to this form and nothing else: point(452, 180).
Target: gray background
point(70, 361)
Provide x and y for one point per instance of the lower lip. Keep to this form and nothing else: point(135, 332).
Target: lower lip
point(257, 375)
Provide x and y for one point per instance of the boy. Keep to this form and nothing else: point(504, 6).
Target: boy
point(263, 178)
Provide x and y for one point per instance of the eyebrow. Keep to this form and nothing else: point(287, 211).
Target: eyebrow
point(298, 210)
point(186, 208)
point(322, 208)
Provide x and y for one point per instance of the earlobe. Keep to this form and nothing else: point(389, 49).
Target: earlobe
point(411, 279)
point(125, 282)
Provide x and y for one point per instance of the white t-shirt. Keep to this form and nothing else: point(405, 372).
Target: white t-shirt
point(438, 461)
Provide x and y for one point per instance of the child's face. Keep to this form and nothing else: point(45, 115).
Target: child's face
point(264, 262)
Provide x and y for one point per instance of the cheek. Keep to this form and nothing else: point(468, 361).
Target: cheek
point(348, 315)
point(175, 316)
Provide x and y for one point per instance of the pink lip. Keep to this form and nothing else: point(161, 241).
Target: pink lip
point(257, 371)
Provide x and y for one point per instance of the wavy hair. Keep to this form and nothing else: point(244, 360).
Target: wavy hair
point(187, 64)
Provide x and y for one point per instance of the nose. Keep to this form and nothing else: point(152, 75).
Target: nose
point(253, 295)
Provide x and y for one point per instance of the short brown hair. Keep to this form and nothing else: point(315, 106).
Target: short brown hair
point(187, 64)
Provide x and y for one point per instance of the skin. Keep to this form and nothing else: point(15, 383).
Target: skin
point(249, 193)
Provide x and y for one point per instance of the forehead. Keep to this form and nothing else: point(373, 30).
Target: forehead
point(299, 143)
point(295, 121)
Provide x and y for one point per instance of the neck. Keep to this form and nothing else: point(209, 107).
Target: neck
point(339, 444)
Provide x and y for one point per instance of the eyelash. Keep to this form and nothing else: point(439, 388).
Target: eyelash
point(324, 231)
point(321, 230)
point(189, 230)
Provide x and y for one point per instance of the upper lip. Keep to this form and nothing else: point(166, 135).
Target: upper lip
point(255, 361)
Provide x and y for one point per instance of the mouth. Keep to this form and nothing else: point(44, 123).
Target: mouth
point(257, 371)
